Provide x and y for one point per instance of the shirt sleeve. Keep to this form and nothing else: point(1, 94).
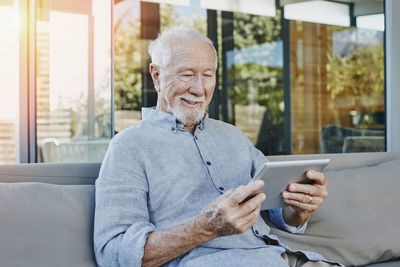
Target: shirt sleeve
point(121, 224)
point(276, 217)
point(258, 158)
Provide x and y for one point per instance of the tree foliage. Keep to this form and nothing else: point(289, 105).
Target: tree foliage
point(267, 81)
point(127, 65)
point(359, 73)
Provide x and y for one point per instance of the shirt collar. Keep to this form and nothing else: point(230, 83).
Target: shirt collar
point(166, 120)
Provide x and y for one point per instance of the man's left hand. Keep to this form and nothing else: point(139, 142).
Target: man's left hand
point(304, 199)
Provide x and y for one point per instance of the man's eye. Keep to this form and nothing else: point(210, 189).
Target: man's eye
point(186, 75)
point(208, 75)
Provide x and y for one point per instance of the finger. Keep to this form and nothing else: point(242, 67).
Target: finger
point(252, 204)
point(248, 221)
point(304, 198)
point(302, 206)
point(244, 191)
point(229, 192)
point(317, 177)
point(308, 189)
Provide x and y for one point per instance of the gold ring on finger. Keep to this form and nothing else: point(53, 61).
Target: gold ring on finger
point(306, 198)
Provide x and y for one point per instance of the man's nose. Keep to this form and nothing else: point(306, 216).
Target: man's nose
point(197, 86)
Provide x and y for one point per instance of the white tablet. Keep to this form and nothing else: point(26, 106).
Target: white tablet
point(277, 175)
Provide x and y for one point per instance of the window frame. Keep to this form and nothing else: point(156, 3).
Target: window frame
point(392, 79)
point(26, 152)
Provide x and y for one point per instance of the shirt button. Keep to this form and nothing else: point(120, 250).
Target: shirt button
point(256, 232)
point(221, 188)
point(208, 163)
point(195, 137)
point(173, 129)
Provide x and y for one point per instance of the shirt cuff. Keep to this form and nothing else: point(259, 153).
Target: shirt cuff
point(276, 217)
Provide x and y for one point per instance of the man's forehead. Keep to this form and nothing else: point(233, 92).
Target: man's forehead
point(192, 54)
point(190, 48)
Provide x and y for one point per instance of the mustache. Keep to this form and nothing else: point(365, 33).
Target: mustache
point(193, 98)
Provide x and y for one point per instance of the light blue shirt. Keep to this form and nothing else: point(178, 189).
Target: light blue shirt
point(156, 175)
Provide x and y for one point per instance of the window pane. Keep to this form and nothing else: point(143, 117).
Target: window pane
point(256, 70)
point(334, 84)
point(337, 89)
point(249, 92)
point(9, 77)
point(73, 74)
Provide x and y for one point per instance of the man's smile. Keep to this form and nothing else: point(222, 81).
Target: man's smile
point(191, 101)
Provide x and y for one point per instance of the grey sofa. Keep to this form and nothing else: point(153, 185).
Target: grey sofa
point(46, 213)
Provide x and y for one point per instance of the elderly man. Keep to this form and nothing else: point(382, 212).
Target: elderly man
point(174, 188)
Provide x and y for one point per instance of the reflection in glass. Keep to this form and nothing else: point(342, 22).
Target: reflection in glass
point(250, 65)
point(255, 78)
point(73, 77)
point(372, 22)
point(9, 77)
point(254, 7)
point(337, 89)
point(336, 85)
point(318, 11)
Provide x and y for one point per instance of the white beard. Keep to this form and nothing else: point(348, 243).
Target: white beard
point(188, 115)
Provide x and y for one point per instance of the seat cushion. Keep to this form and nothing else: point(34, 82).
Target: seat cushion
point(46, 225)
point(359, 222)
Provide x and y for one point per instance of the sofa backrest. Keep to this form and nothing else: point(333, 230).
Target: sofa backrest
point(46, 214)
point(347, 160)
point(52, 173)
point(86, 173)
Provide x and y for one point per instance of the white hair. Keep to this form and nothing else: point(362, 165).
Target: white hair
point(160, 49)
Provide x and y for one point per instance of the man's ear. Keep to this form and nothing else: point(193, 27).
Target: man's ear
point(155, 75)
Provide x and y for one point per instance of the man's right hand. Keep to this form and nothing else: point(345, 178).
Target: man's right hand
point(228, 214)
point(231, 213)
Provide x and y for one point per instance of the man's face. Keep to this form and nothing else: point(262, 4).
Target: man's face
point(186, 85)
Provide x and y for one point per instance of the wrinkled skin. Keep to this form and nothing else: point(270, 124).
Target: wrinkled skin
point(227, 215)
point(304, 199)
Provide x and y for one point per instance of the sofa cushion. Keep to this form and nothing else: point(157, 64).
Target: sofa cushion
point(359, 221)
point(46, 225)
